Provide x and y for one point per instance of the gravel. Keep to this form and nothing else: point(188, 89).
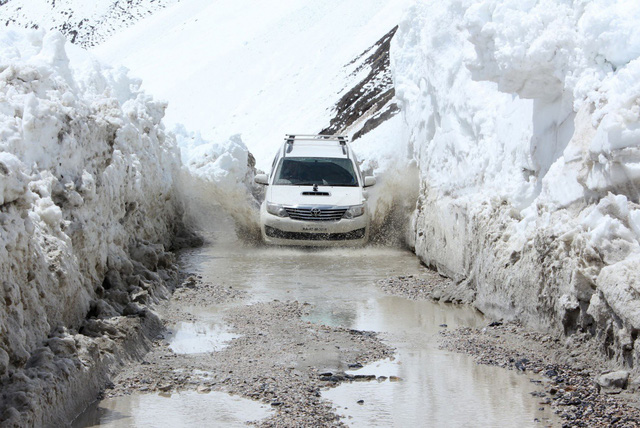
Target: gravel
point(279, 358)
point(575, 378)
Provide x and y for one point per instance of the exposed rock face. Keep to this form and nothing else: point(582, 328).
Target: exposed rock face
point(369, 102)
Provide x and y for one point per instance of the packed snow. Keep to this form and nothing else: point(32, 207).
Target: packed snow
point(524, 119)
point(88, 191)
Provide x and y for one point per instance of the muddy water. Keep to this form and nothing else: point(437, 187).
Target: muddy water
point(186, 409)
point(435, 387)
point(424, 386)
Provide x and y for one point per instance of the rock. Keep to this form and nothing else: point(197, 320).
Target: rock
point(134, 309)
point(4, 362)
point(202, 389)
point(634, 385)
point(613, 380)
point(522, 364)
point(364, 378)
point(361, 402)
point(190, 282)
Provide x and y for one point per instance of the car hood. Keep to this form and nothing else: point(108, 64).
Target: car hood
point(292, 195)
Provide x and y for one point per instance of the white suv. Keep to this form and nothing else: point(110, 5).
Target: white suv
point(316, 194)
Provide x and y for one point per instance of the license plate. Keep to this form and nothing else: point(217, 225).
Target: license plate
point(314, 229)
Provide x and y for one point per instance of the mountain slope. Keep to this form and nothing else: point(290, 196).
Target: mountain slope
point(83, 23)
point(229, 67)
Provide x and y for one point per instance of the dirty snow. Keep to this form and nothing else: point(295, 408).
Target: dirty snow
point(87, 192)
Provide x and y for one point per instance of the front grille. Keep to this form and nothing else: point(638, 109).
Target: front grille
point(316, 214)
point(305, 236)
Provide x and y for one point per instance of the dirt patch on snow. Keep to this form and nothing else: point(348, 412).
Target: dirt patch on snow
point(63, 375)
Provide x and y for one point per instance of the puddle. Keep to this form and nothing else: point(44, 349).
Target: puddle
point(431, 387)
point(450, 391)
point(199, 337)
point(438, 388)
point(185, 409)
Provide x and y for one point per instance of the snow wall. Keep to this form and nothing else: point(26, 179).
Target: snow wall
point(524, 118)
point(88, 209)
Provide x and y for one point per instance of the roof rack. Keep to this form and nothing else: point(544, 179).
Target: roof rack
point(291, 138)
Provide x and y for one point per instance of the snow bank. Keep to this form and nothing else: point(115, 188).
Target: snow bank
point(87, 208)
point(220, 175)
point(524, 118)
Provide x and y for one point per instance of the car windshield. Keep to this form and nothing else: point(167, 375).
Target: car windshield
point(321, 171)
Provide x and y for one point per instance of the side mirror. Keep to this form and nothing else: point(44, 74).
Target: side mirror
point(261, 179)
point(368, 181)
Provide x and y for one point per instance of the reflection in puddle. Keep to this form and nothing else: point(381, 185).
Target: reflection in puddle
point(185, 409)
point(199, 337)
point(451, 390)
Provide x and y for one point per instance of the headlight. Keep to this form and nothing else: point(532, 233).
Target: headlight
point(354, 211)
point(276, 209)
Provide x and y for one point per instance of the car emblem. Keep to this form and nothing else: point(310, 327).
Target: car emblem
point(315, 212)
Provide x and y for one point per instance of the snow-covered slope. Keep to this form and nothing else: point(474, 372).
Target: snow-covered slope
point(240, 76)
point(229, 67)
point(88, 209)
point(524, 117)
point(85, 23)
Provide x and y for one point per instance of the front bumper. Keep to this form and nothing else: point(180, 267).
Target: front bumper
point(286, 231)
